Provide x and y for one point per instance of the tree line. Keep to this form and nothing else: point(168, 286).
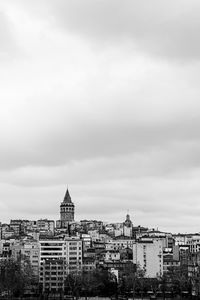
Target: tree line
point(16, 278)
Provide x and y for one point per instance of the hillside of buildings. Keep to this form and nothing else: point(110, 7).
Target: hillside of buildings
point(93, 258)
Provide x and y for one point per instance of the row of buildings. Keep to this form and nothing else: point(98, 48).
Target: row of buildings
point(54, 249)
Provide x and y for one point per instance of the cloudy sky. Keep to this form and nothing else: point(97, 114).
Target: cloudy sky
point(102, 96)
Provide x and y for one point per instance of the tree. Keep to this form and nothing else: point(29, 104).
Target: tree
point(132, 279)
point(11, 281)
point(163, 284)
point(179, 279)
point(73, 284)
point(14, 277)
point(98, 282)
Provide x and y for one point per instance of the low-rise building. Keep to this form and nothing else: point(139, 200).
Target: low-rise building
point(170, 259)
point(89, 264)
point(112, 255)
point(45, 226)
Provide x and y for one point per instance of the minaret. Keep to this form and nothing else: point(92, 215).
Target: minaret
point(66, 210)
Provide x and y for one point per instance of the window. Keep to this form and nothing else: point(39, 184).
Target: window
point(72, 248)
point(53, 278)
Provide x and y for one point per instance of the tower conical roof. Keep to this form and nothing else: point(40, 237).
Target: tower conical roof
point(67, 198)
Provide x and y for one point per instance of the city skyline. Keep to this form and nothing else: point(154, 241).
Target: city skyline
point(59, 222)
point(102, 96)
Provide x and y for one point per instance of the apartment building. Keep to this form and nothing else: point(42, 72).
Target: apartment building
point(148, 256)
point(170, 259)
point(121, 243)
point(112, 255)
point(181, 239)
point(46, 226)
point(69, 250)
point(30, 250)
point(53, 274)
point(194, 243)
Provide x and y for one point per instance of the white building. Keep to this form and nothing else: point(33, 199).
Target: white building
point(148, 256)
point(122, 243)
point(30, 249)
point(94, 234)
point(194, 243)
point(112, 255)
point(46, 226)
point(86, 238)
point(68, 249)
point(181, 239)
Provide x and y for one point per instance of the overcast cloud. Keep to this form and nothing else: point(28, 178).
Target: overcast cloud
point(102, 96)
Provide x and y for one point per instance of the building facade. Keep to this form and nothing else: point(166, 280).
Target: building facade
point(53, 274)
point(68, 251)
point(148, 256)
